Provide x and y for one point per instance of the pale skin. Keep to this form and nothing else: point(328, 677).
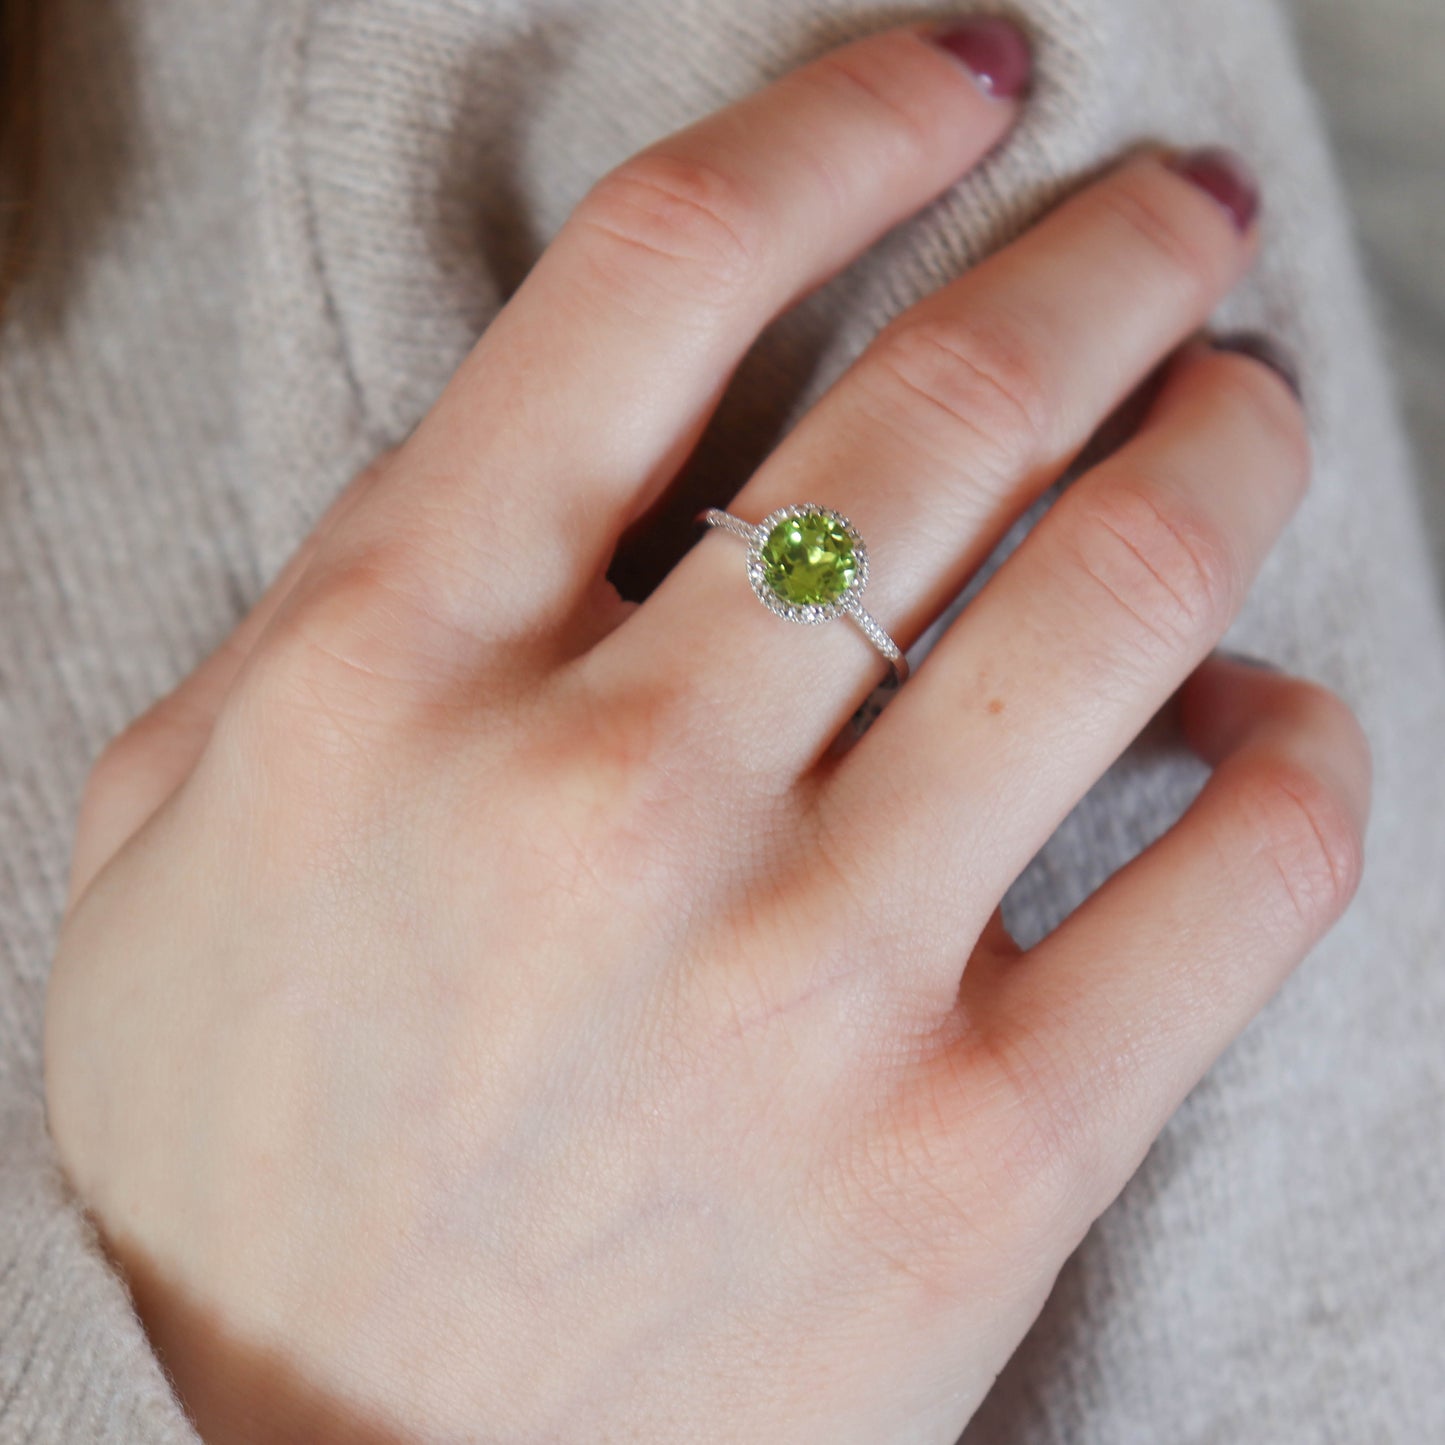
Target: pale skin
point(486, 1010)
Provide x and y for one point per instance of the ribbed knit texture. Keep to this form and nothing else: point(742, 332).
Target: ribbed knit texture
point(276, 227)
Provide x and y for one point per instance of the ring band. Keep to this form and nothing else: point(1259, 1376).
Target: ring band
point(808, 564)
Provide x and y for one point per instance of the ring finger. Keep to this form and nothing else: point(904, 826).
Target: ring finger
point(960, 413)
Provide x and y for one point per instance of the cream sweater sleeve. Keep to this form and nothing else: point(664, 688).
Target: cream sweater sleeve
point(274, 228)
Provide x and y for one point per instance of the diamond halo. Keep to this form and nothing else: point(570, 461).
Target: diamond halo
point(847, 604)
point(808, 613)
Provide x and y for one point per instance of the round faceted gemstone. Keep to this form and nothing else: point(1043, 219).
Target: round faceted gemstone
point(808, 559)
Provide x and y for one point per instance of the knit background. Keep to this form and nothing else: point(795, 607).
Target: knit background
point(276, 227)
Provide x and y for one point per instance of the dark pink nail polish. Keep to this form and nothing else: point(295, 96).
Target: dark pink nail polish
point(993, 50)
point(1224, 176)
point(1262, 348)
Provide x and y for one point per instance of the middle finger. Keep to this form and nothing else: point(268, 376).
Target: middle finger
point(593, 383)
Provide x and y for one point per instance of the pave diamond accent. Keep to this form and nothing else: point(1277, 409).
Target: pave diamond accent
point(876, 635)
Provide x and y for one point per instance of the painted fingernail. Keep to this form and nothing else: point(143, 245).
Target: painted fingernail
point(1226, 177)
point(1244, 659)
point(1263, 348)
point(994, 51)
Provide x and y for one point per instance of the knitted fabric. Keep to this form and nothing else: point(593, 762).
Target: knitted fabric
point(274, 229)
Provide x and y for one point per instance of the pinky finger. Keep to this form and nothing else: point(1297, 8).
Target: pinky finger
point(1105, 1025)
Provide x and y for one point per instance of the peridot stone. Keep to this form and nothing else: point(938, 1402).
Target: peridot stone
point(808, 559)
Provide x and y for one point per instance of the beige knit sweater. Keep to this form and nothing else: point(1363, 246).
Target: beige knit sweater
point(276, 227)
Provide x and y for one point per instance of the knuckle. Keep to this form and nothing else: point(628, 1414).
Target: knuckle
point(1307, 839)
point(1144, 204)
point(1039, 1137)
point(137, 755)
point(114, 768)
point(602, 815)
point(138, 768)
point(335, 649)
point(676, 223)
point(1171, 573)
point(972, 377)
point(324, 609)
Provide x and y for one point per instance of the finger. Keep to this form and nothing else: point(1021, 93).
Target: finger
point(1096, 1035)
point(593, 383)
point(1076, 642)
point(958, 415)
point(141, 767)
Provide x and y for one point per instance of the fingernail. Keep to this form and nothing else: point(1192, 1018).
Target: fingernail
point(994, 51)
point(1263, 348)
point(1226, 177)
point(1244, 659)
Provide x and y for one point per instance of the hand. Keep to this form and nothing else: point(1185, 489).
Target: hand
point(489, 1011)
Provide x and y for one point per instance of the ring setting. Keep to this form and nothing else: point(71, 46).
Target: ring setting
point(807, 563)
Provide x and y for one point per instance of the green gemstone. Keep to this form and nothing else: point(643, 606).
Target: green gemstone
point(808, 559)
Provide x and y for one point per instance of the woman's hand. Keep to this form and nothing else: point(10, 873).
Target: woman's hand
point(488, 1011)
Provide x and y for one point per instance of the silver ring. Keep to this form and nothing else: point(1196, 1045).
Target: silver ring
point(807, 563)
